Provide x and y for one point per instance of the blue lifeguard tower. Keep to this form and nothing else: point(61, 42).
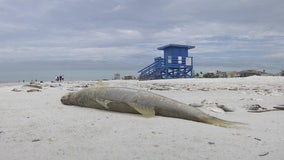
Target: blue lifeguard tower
point(175, 64)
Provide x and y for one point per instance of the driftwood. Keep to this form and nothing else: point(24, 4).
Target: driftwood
point(256, 108)
point(277, 108)
point(281, 107)
point(33, 86)
point(263, 110)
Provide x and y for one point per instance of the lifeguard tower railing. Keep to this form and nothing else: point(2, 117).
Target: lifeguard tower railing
point(159, 70)
point(153, 71)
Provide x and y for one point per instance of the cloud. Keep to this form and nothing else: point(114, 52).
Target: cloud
point(275, 55)
point(131, 30)
point(116, 8)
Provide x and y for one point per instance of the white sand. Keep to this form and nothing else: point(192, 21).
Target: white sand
point(37, 126)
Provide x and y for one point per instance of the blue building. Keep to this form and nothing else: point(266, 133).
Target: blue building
point(175, 64)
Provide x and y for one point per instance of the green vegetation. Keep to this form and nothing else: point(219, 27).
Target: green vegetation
point(206, 75)
point(209, 75)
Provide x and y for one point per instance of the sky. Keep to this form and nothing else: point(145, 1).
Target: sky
point(125, 34)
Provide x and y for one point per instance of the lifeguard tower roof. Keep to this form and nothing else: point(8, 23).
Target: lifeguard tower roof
point(175, 45)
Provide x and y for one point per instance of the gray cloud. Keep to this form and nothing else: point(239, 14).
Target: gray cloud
point(123, 30)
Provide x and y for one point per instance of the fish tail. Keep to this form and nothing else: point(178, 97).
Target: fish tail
point(224, 123)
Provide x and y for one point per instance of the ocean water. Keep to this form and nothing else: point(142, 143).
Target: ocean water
point(74, 71)
point(69, 75)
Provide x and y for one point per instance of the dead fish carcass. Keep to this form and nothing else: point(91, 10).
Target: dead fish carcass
point(137, 101)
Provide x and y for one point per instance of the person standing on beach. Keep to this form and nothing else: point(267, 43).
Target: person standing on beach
point(61, 78)
point(56, 78)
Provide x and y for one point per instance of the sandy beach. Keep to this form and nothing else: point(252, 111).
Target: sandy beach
point(35, 125)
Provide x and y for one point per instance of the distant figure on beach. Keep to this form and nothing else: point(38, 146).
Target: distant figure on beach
point(56, 78)
point(59, 78)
